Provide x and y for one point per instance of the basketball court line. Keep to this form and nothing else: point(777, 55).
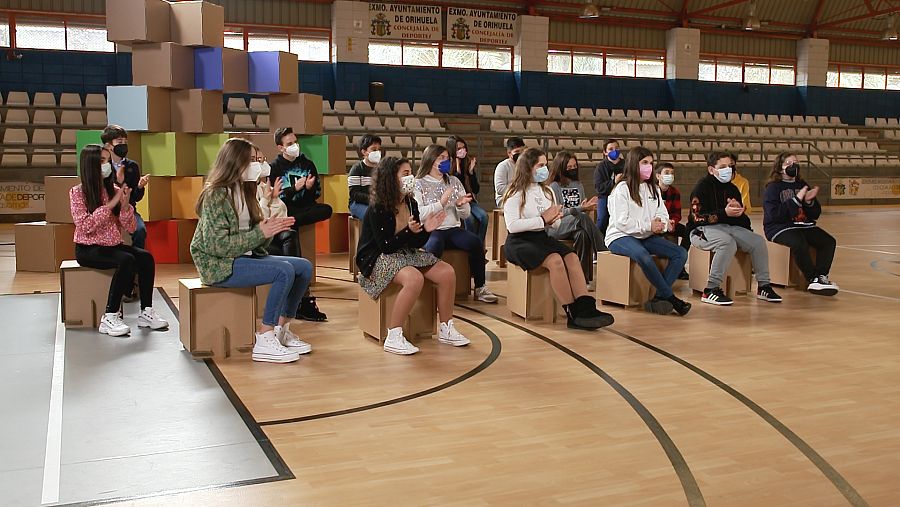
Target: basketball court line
point(52, 454)
point(868, 250)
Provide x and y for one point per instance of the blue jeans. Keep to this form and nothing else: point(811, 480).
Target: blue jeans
point(289, 276)
point(358, 210)
point(602, 214)
point(139, 236)
point(642, 251)
point(477, 223)
point(457, 238)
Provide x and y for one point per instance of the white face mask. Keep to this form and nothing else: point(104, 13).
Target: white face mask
point(667, 179)
point(374, 157)
point(265, 170)
point(251, 173)
point(105, 169)
point(293, 150)
point(407, 184)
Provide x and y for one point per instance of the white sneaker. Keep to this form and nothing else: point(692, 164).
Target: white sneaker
point(292, 341)
point(484, 295)
point(113, 325)
point(149, 318)
point(396, 343)
point(822, 286)
point(449, 335)
point(268, 349)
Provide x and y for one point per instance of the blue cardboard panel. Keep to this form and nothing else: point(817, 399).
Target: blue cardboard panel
point(208, 69)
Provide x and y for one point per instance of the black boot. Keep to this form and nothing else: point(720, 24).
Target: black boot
point(583, 314)
point(310, 311)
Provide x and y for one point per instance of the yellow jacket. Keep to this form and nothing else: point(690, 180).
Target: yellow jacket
point(744, 186)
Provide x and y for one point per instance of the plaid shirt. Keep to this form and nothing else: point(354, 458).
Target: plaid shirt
point(673, 203)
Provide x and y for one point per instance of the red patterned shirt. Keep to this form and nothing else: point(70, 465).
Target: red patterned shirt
point(673, 203)
point(101, 227)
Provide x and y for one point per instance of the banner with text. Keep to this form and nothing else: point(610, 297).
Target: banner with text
point(865, 188)
point(21, 197)
point(402, 21)
point(479, 26)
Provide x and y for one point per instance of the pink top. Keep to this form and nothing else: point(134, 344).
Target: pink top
point(100, 227)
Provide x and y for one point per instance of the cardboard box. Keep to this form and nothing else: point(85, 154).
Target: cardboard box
point(169, 154)
point(335, 192)
point(185, 191)
point(222, 69)
point(42, 247)
point(84, 293)
point(170, 240)
point(215, 321)
point(328, 152)
point(197, 111)
point(265, 141)
point(130, 21)
point(56, 198)
point(82, 139)
point(621, 281)
point(198, 24)
point(301, 111)
point(331, 234)
point(139, 108)
point(157, 201)
point(375, 313)
point(273, 72)
point(208, 146)
point(162, 64)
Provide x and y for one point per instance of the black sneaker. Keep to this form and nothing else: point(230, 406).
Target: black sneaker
point(681, 307)
point(716, 296)
point(766, 293)
point(658, 306)
point(822, 286)
point(309, 311)
point(683, 275)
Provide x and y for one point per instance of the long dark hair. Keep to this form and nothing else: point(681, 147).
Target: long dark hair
point(429, 157)
point(462, 163)
point(385, 191)
point(559, 164)
point(632, 174)
point(775, 175)
point(92, 182)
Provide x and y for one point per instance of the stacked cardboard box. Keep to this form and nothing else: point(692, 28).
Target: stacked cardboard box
point(42, 246)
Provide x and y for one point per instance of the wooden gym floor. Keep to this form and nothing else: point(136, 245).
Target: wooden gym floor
point(758, 404)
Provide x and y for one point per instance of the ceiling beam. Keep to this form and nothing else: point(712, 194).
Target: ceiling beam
point(841, 21)
point(716, 7)
point(869, 6)
point(667, 6)
point(683, 15)
point(814, 22)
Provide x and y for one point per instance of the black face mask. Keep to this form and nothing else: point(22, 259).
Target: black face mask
point(572, 174)
point(792, 170)
point(121, 150)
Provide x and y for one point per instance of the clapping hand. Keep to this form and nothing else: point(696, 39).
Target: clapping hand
point(657, 226)
point(589, 204)
point(801, 194)
point(734, 208)
point(275, 225)
point(472, 166)
point(300, 183)
point(464, 200)
point(143, 181)
point(276, 188)
point(552, 214)
point(812, 194)
point(445, 197)
point(435, 220)
point(414, 225)
point(310, 181)
point(126, 194)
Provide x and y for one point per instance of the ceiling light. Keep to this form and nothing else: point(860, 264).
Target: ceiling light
point(889, 33)
point(751, 22)
point(590, 11)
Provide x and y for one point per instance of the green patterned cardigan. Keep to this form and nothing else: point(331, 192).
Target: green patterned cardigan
point(218, 240)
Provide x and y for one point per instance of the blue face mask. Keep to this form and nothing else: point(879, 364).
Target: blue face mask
point(541, 174)
point(723, 174)
point(444, 166)
point(614, 155)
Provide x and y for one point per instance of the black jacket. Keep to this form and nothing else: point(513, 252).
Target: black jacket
point(132, 177)
point(605, 175)
point(289, 172)
point(377, 236)
point(782, 210)
point(469, 181)
point(708, 202)
point(359, 179)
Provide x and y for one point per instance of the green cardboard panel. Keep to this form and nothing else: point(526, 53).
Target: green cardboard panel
point(208, 146)
point(82, 139)
point(328, 152)
point(169, 154)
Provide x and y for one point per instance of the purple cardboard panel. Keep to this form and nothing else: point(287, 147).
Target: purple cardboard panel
point(208, 69)
point(264, 69)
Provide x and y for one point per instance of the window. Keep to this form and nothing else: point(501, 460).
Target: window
point(460, 57)
point(234, 38)
point(421, 54)
point(874, 79)
point(34, 34)
point(386, 53)
point(598, 62)
point(4, 32)
point(850, 77)
point(268, 42)
point(88, 38)
point(495, 58)
point(435, 54)
point(893, 80)
point(731, 70)
point(832, 78)
point(314, 49)
point(842, 75)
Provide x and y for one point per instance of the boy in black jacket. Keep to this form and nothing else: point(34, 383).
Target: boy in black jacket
point(359, 179)
point(718, 223)
point(300, 182)
point(128, 172)
point(605, 179)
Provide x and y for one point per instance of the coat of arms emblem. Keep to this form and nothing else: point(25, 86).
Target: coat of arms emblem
point(381, 27)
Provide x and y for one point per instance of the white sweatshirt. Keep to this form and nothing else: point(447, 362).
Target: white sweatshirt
point(626, 218)
point(529, 219)
point(428, 196)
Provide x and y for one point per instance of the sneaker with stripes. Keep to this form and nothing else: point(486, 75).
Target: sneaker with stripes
point(716, 296)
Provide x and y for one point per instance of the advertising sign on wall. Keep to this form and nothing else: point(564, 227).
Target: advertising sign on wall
point(865, 188)
point(404, 22)
point(21, 197)
point(479, 26)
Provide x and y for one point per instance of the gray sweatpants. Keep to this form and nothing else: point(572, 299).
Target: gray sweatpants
point(724, 241)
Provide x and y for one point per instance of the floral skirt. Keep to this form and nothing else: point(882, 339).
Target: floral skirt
point(388, 265)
